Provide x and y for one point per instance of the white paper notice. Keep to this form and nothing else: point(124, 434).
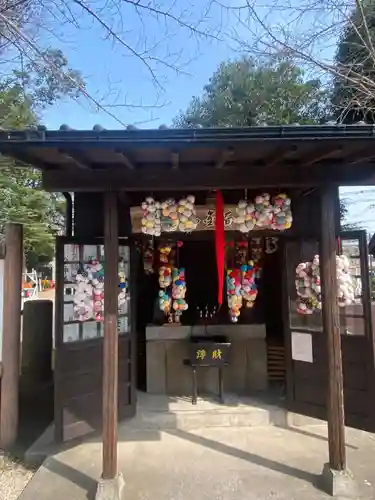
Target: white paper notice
point(302, 347)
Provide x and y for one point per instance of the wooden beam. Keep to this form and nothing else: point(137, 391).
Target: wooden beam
point(110, 343)
point(278, 156)
point(224, 157)
point(123, 159)
point(127, 162)
point(201, 177)
point(175, 160)
point(11, 333)
point(331, 329)
point(319, 155)
point(71, 158)
point(361, 156)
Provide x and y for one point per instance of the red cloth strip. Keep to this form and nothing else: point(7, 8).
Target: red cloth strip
point(220, 245)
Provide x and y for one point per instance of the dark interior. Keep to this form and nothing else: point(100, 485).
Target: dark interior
point(198, 259)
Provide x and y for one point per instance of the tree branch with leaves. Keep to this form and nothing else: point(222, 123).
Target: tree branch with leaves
point(332, 40)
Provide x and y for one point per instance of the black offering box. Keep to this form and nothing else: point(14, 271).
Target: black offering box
point(209, 351)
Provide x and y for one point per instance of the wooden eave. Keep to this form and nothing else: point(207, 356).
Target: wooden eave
point(171, 159)
point(371, 246)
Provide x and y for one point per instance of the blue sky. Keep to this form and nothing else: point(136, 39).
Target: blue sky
point(114, 76)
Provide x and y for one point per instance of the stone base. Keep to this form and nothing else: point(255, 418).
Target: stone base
point(339, 483)
point(110, 489)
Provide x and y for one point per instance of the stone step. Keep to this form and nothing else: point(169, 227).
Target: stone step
point(158, 413)
point(163, 413)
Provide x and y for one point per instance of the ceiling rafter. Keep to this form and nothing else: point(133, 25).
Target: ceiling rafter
point(175, 160)
point(72, 157)
point(124, 159)
point(224, 157)
point(321, 154)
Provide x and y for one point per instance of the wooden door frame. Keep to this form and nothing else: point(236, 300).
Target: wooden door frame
point(359, 235)
point(59, 321)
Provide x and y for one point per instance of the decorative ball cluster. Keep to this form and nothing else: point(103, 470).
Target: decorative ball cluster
point(89, 297)
point(165, 269)
point(234, 295)
point(151, 223)
point(179, 291)
point(164, 302)
point(168, 215)
point(309, 289)
point(172, 284)
point(123, 294)
point(165, 278)
point(241, 289)
point(345, 282)
point(264, 214)
point(249, 289)
point(148, 258)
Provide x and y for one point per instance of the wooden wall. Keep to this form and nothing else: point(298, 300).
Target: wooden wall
point(89, 216)
point(89, 221)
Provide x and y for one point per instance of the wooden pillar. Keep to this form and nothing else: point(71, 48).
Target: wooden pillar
point(331, 329)
point(110, 347)
point(11, 335)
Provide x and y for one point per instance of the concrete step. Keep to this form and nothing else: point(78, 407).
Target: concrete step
point(163, 412)
point(159, 412)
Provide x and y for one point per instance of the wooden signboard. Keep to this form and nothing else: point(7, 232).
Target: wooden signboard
point(210, 353)
point(206, 215)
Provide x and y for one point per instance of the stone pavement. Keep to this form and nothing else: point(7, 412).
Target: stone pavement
point(217, 464)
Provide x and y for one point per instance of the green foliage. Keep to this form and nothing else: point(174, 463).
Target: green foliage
point(244, 93)
point(22, 96)
point(372, 287)
point(15, 108)
point(343, 215)
point(41, 213)
point(354, 83)
point(248, 92)
point(48, 78)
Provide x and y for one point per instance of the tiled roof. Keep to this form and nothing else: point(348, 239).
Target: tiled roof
point(99, 128)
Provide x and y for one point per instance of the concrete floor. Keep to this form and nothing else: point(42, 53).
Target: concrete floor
point(213, 463)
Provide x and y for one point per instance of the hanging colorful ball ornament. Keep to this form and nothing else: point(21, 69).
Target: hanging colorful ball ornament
point(263, 211)
point(151, 222)
point(308, 285)
point(262, 214)
point(82, 303)
point(234, 296)
point(88, 302)
point(165, 276)
point(169, 215)
point(245, 219)
point(123, 294)
point(345, 282)
point(282, 212)
point(178, 293)
point(187, 214)
point(307, 282)
point(165, 279)
point(249, 289)
point(148, 257)
point(165, 269)
point(164, 302)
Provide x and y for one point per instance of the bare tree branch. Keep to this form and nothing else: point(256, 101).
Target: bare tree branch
point(136, 40)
